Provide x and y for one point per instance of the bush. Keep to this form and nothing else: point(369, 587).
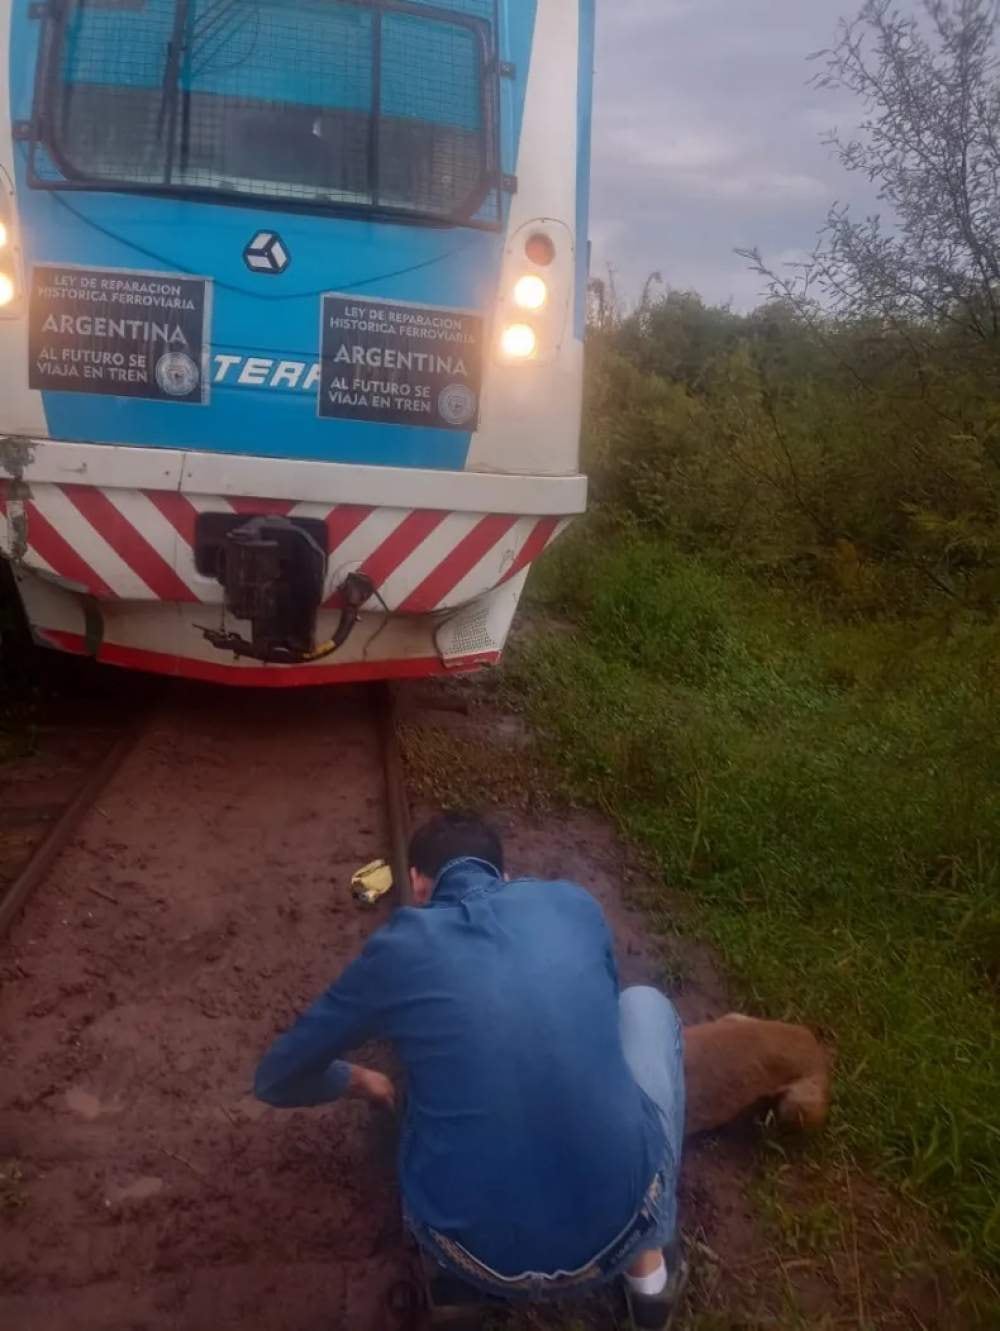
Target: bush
point(823, 455)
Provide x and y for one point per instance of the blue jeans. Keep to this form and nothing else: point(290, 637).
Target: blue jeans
point(653, 1044)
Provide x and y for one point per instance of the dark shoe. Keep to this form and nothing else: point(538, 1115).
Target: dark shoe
point(656, 1312)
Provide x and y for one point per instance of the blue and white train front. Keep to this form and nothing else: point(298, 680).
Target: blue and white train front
point(292, 302)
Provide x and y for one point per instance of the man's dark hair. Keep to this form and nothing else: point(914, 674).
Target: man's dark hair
point(454, 836)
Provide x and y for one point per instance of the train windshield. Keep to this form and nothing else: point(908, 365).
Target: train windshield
point(353, 104)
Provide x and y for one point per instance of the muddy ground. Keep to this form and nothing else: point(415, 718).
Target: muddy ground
point(203, 902)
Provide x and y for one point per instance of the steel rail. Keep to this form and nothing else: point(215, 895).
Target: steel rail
point(63, 830)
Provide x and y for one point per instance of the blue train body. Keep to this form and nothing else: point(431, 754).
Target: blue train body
point(279, 404)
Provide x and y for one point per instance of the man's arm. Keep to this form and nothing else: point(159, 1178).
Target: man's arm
point(302, 1067)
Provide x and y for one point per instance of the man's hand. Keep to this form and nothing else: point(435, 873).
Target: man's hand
point(375, 1087)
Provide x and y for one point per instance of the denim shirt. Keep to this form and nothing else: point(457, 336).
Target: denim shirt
point(525, 1139)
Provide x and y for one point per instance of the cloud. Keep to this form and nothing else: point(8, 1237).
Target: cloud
point(690, 150)
point(707, 136)
point(703, 164)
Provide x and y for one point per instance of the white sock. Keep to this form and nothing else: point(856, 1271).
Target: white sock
point(650, 1285)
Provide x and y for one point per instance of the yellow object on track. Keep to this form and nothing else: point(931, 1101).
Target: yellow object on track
point(370, 884)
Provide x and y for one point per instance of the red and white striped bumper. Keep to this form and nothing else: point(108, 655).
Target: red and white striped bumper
point(132, 550)
point(138, 545)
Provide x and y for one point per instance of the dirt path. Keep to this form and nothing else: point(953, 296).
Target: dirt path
point(202, 903)
point(141, 1186)
point(157, 1194)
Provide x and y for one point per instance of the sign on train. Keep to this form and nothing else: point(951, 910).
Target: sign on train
point(111, 331)
point(400, 364)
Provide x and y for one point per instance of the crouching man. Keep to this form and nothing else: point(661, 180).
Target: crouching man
point(544, 1113)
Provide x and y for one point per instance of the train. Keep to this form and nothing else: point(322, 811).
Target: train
point(293, 299)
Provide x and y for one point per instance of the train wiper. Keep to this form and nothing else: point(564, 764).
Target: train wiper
point(170, 86)
point(212, 26)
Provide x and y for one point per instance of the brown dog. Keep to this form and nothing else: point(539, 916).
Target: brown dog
point(736, 1063)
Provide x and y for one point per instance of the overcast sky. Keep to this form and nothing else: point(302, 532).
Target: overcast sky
point(707, 137)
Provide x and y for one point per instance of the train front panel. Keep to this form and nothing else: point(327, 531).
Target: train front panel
point(292, 303)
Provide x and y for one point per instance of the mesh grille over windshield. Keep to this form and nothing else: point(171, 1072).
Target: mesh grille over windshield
point(327, 102)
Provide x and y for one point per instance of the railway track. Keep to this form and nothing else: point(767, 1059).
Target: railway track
point(42, 830)
point(36, 831)
point(64, 728)
point(189, 897)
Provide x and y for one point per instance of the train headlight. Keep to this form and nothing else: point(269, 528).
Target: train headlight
point(519, 342)
point(534, 304)
point(530, 292)
point(10, 266)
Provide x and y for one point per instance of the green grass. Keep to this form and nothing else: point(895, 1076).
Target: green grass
point(829, 796)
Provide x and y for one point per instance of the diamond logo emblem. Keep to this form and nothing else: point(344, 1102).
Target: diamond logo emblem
point(267, 253)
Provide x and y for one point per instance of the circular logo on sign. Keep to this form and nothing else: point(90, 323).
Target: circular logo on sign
point(177, 374)
point(457, 404)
